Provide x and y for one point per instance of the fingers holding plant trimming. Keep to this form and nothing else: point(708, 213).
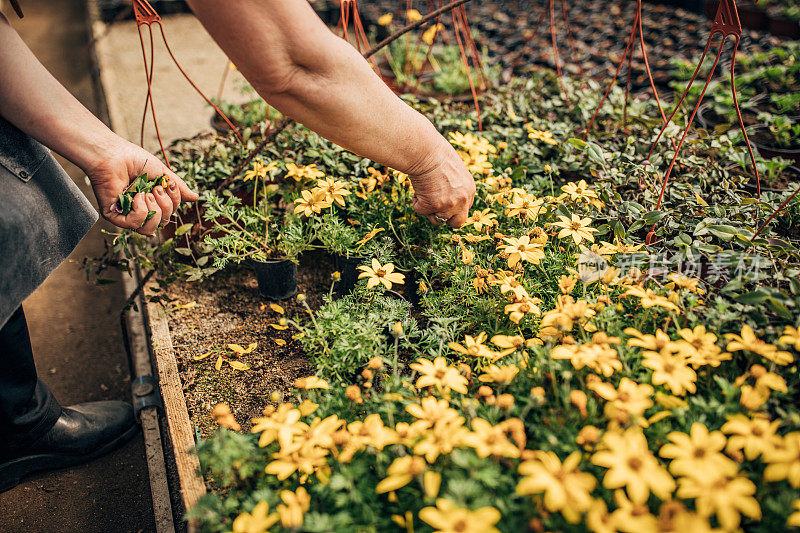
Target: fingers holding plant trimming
point(165, 203)
point(133, 219)
point(154, 215)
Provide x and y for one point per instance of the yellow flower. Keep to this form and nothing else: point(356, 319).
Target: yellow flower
point(544, 136)
point(304, 459)
point(222, 415)
point(468, 141)
point(440, 439)
point(704, 350)
point(369, 432)
point(566, 489)
point(673, 517)
point(307, 407)
point(400, 473)
point(600, 356)
point(413, 15)
point(482, 219)
point(669, 402)
point(259, 170)
point(490, 440)
point(575, 227)
point(630, 399)
point(748, 341)
point(633, 517)
point(282, 425)
point(511, 343)
point(671, 370)
point(632, 465)
point(698, 453)
point(294, 506)
point(447, 518)
point(794, 518)
point(312, 202)
point(649, 342)
point(474, 346)
point(499, 374)
point(335, 191)
point(430, 411)
point(522, 249)
point(721, 495)
point(525, 206)
point(476, 162)
point(385, 19)
point(752, 435)
point(791, 337)
point(566, 284)
point(521, 307)
point(438, 373)
point(684, 282)
point(509, 283)
point(257, 521)
point(381, 274)
point(784, 460)
point(650, 299)
point(618, 247)
point(301, 172)
point(579, 192)
point(599, 520)
point(310, 382)
point(431, 482)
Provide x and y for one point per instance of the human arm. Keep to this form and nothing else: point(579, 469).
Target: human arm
point(305, 71)
point(32, 100)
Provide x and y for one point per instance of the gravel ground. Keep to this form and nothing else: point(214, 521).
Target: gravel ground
point(228, 309)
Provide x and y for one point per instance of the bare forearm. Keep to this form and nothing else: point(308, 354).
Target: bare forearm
point(32, 100)
point(308, 73)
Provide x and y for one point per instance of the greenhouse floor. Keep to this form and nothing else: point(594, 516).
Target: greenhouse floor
point(75, 333)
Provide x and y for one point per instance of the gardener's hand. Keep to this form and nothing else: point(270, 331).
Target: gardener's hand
point(121, 165)
point(444, 188)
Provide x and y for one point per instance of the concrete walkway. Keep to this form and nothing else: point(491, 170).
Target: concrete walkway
point(75, 333)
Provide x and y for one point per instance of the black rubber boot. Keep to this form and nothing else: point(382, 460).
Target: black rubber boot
point(82, 433)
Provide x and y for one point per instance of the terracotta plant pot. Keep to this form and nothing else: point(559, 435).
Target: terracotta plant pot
point(277, 280)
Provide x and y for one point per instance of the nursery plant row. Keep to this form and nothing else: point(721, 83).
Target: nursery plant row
point(583, 354)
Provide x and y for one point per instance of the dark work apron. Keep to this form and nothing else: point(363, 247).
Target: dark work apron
point(43, 216)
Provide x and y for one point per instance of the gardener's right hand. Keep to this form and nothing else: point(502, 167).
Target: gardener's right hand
point(443, 187)
point(121, 165)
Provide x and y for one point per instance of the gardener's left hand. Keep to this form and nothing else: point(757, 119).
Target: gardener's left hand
point(114, 173)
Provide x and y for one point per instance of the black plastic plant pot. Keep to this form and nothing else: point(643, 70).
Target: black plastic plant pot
point(277, 280)
point(348, 269)
point(760, 137)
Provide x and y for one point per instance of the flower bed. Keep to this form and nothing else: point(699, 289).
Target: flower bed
point(540, 368)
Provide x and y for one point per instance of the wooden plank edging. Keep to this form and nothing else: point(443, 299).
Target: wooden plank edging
point(181, 432)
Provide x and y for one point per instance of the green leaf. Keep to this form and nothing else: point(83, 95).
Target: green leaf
point(723, 231)
point(652, 217)
point(183, 229)
point(753, 297)
point(595, 153)
point(580, 144)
